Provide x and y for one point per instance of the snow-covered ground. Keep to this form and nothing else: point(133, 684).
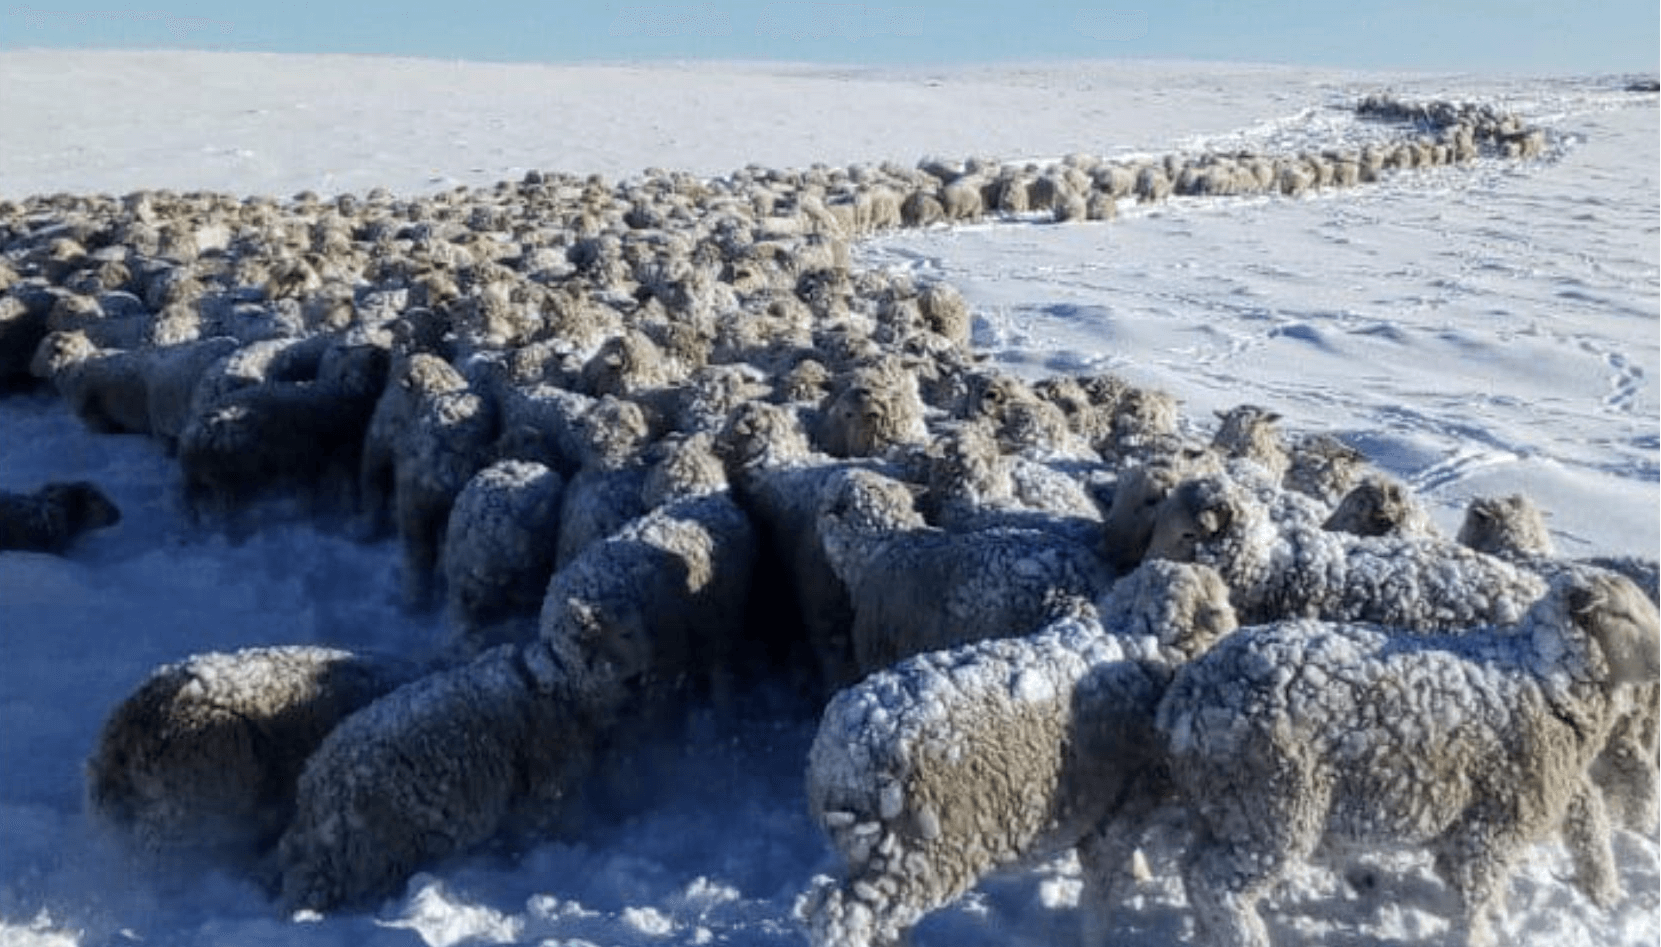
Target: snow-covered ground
point(1478, 330)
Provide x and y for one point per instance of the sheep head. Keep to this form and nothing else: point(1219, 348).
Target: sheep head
point(1128, 526)
point(1615, 613)
point(1195, 513)
point(758, 434)
point(1375, 507)
point(1505, 525)
point(593, 652)
point(1185, 606)
point(858, 509)
point(59, 350)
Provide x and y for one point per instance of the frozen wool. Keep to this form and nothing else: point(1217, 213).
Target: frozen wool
point(1298, 736)
point(930, 775)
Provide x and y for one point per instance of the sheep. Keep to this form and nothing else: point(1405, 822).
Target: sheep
point(1249, 432)
point(873, 409)
point(1506, 525)
point(206, 752)
point(674, 581)
point(779, 478)
point(104, 387)
point(972, 485)
point(1282, 566)
point(305, 435)
point(428, 434)
point(916, 588)
point(930, 775)
point(1382, 506)
point(53, 517)
point(1303, 735)
point(429, 770)
point(414, 379)
point(1514, 528)
point(604, 493)
point(498, 549)
point(1325, 468)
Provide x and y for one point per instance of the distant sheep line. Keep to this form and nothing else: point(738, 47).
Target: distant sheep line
point(653, 443)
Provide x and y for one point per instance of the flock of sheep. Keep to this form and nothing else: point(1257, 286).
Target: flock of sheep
point(649, 442)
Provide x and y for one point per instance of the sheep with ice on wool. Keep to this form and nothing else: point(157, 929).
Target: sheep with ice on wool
point(497, 744)
point(1514, 528)
point(1282, 566)
point(917, 588)
point(52, 517)
point(932, 774)
point(779, 479)
point(973, 485)
point(305, 436)
point(1381, 505)
point(428, 770)
point(428, 434)
point(1304, 736)
point(206, 752)
point(499, 551)
point(872, 409)
point(605, 491)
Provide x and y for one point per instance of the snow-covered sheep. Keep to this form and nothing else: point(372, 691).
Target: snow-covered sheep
point(779, 479)
point(674, 582)
point(917, 588)
point(106, 388)
point(51, 518)
point(498, 550)
point(1381, 505)
point(428, 770)
point(1301, 736)
point(1284, 566)
point(1514, 528)
point(1325, 468)
point(873, 409)
point(1138, 494)
point(428, 434)
point(605, 491)
point(932, 774)
point(206, 752)
point(306, 436)
point(1506, 525)
point(1251, 432)
point(973, 485)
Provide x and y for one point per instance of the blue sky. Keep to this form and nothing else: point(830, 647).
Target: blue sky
point(1513, 36)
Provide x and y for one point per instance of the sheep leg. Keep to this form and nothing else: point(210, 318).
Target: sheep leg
point(1627, 769)
point(853, 914)
point(1224, 883)
point(1254, 823)
point(1586, 832)
point(1105, 856)
point(1473, 859)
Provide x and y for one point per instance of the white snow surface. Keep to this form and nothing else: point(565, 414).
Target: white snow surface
point(1477, 330)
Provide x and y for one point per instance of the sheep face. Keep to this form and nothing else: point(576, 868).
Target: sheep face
point(875, 410)
point(1196, 512)
point(1375, 507)
point(756, 431)
point(595, 652)
point(1128, 526)
point(1509, 525)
